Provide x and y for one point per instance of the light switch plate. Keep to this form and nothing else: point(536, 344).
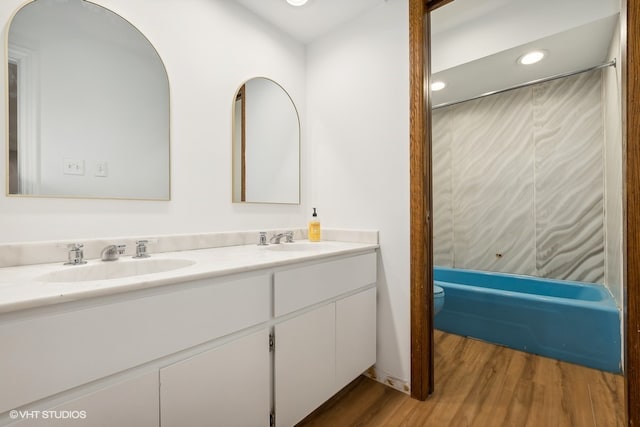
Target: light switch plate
point(102, 169)
point(73, 167)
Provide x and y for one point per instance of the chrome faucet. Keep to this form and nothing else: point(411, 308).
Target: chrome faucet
point(75, 255)
point(288, 235)
point(141, 249)
point(262, 239)
point(112, 252)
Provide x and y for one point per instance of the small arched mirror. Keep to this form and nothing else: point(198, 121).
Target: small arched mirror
point(266, 144)
point(88, 105)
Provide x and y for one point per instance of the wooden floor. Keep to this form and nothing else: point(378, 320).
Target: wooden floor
point(480, 384)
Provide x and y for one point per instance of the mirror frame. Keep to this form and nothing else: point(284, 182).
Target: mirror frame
point(6, 118)
point(242, 150)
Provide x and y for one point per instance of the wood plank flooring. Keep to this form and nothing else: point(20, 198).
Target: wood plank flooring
point(481, 384)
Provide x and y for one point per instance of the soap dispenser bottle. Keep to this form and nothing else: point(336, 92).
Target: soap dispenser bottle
point(314, 227)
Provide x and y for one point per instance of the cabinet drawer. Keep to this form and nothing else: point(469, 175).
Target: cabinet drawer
point(51, 353)
point(300, 287)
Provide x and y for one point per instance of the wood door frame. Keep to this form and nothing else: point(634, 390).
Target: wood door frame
point(421, 245)
point(421, 240)
point(630, 46)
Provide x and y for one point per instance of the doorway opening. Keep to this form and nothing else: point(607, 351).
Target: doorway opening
point(422, 203)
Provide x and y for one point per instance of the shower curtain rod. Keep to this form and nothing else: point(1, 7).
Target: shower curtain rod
point(532, 82)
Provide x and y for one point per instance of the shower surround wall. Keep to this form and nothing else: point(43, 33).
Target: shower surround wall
point(518, 181)
point(613, 179)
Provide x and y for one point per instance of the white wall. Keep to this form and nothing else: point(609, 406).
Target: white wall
point(206, 64)
point(358, 112)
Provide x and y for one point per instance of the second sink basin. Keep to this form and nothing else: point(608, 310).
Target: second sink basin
point(114, 269)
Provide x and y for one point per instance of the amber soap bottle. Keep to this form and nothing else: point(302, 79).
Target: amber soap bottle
point(314, 227)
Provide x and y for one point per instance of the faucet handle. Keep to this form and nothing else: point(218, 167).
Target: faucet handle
point(288, 236)
point(141, 249)
point(262, 241)
point(75, 256)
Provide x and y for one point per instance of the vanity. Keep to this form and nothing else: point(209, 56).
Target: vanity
point(232, 336)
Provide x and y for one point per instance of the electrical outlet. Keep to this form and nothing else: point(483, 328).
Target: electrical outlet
point(73, 167)
point(102, 169)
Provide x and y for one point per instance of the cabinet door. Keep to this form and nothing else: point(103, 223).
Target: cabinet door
point(227, 386)
point(355, 336)
point(133, 402)
point(304, 364)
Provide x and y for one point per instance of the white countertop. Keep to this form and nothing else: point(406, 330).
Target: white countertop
point(24, 287)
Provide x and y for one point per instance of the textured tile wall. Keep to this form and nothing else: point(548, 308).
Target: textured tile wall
point(442, 186)
point(518, 181)
point(569, 141)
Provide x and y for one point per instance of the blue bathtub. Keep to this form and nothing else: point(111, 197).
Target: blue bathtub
point(571, 321)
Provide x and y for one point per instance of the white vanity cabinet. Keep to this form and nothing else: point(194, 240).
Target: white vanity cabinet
point(227, 386)
point(198, 352)
point(328, 335)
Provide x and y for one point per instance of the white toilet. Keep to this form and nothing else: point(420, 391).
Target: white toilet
point(438, 299)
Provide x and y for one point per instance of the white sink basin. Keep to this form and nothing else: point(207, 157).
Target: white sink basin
point(115, 269)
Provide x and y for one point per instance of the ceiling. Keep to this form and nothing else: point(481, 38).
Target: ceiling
point(308, 22)
point(475, 38)
point(475, 45)
point(572, 50)
point(466, 30)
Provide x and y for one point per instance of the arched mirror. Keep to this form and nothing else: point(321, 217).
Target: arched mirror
point(88, 105)
point(266, 144)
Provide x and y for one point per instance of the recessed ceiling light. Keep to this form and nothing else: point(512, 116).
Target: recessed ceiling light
point(532, 57)
point(435, 86)
point(296, 2)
